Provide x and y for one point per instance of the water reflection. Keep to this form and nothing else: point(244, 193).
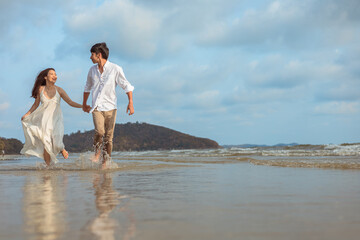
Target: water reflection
point(44, 207)
point(109, 224)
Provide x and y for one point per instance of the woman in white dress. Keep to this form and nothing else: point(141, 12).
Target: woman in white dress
point(43, 126)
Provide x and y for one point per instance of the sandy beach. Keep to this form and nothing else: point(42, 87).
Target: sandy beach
point(161, 195)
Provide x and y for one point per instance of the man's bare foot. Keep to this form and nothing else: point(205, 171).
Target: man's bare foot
point(65, 153)
point(96, 157)
point(104, 166)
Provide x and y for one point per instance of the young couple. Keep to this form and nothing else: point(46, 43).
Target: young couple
point(43, 126)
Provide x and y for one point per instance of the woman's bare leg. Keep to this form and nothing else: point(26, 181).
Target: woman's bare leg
point(47, 157)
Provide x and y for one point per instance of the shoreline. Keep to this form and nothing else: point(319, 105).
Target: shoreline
point(235, 200)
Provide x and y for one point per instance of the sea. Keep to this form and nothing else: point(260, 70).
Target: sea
point(278, 192)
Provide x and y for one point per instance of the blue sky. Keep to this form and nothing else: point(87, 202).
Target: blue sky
point(237, 72)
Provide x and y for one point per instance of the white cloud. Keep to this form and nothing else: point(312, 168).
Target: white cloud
point(276, 71)
point(288, 24)
point(5, 125)
point(4, 106)
point(337, 108)
point(129, 29)
point(35, 13)
point(207, 99)
point(142, 29)
point(344, 90)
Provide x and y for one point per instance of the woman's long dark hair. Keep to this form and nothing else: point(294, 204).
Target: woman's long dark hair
point(40, 81)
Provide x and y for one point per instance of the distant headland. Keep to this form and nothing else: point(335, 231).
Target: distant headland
point(128, 137)
point(140, 137)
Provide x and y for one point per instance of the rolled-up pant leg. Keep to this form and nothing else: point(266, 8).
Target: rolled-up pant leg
point(99, 122)
point(110, 119)
point(104, 123)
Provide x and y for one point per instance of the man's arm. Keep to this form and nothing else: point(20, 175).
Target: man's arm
point(130, 107)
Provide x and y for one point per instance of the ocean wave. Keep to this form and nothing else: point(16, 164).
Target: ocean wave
point(300, 150)
point(296, 150)
point(344, 156)
point(340, 164)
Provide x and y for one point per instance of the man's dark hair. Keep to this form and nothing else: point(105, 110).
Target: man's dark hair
point(100, 48)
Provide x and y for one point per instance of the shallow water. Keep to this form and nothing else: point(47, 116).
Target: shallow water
point(191, 194)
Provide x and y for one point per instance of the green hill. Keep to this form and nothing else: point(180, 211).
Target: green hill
point(10, 145)
point(127, 137)
point(138, 137)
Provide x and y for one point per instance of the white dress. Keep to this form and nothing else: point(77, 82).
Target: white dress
point(44, 129)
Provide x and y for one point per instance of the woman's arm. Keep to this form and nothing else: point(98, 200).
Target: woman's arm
point(34, 106)
point(68, 99)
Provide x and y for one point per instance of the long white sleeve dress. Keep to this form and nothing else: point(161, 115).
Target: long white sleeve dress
point(44, 129)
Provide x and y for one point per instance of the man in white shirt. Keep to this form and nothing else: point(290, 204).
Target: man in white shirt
point(101, 82)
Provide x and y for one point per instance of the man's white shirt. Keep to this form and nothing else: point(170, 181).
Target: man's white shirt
point(103, 86)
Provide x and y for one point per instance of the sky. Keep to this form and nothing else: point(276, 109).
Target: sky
point(235, 71)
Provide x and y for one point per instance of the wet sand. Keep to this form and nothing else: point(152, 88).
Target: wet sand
point(147, 199)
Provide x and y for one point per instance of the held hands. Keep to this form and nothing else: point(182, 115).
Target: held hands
point(130, 109)
point(86, 108)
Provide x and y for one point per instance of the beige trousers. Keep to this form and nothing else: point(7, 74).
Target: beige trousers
point(104, 122)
